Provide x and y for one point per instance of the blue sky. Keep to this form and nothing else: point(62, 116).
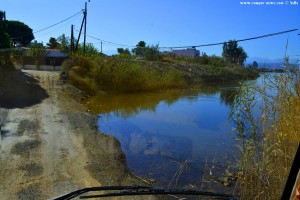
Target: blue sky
point(167, 23)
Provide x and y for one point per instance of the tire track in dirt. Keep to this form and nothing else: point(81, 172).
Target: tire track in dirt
point(40, 158)
point(53, 147)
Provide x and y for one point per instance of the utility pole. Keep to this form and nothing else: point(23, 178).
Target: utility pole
point(72, 38)
point(82, 24)
point(77, 42)
point(85, 18)
point(101, 46)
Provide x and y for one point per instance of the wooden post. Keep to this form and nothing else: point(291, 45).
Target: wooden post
point(85, 16)
point(72, 38)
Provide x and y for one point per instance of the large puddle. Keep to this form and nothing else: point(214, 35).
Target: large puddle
point(174, 137)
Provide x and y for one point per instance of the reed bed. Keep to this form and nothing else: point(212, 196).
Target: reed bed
point(267, 118)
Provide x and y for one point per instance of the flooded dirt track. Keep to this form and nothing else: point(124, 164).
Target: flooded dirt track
point(49, 144)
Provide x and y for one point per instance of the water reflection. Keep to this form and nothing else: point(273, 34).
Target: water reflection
point(227, 95)
point(132, 103)
point(127, 104)
point(160, 130)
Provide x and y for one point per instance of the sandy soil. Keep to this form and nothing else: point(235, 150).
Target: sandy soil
point(49, 143)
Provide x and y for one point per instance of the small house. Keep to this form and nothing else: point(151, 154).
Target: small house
point(191, 52)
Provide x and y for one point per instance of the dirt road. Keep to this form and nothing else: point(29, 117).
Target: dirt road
point(49, 144)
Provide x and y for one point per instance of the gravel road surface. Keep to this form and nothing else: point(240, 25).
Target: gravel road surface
point(50, 144)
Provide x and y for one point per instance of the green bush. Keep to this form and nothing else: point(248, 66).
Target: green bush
point(152, 53)
point(82, 83)
point(110, 74)
point(77, 61)
point(6, 60)
point(203, 60)
point(124, 56)
point(217, 61)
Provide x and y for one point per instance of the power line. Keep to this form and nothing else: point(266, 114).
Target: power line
point(107, 42)
point(60, 27)
point(43, 29)
point(241, 40)
point(201, 45)
point(57, 23)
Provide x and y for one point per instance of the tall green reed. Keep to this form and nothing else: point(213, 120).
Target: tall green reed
point(266, 116)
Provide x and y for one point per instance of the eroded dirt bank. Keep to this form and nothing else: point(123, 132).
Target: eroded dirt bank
point(49, 144)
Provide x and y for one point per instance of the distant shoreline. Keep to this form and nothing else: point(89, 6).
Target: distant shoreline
point(270, 70)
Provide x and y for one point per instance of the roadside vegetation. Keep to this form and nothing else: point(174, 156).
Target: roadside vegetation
point(146, 68)
point(5, 43)
point(92, 71)
point(102, 73)
point(11, 34)
point(267, 119)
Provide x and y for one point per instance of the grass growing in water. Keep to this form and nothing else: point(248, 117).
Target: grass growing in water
point(108, 74)
point(268, 140)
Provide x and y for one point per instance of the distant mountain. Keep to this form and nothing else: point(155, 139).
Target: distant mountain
point(270, 63)
point(264, 60)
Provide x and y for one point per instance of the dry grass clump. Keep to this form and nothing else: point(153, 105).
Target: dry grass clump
point(80, 61)
point(267, 123)
point(108, 74)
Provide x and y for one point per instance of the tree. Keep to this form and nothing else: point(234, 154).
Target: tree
point(241, 56)
point(234, 53)
point(19, 32)
point(4, 37)
point(141, 44)
point(39, 52)
point(127, 52)
point(6, 57)
point(53, 44)
point(151, 53)
point(2, 16)
point(120, 50)
point(204, 60)
point(123, 51)
point(148, 52)
point(90, 50)
point(139, 50)
point(254, 65)
point(64, 43)
point(4, 40)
